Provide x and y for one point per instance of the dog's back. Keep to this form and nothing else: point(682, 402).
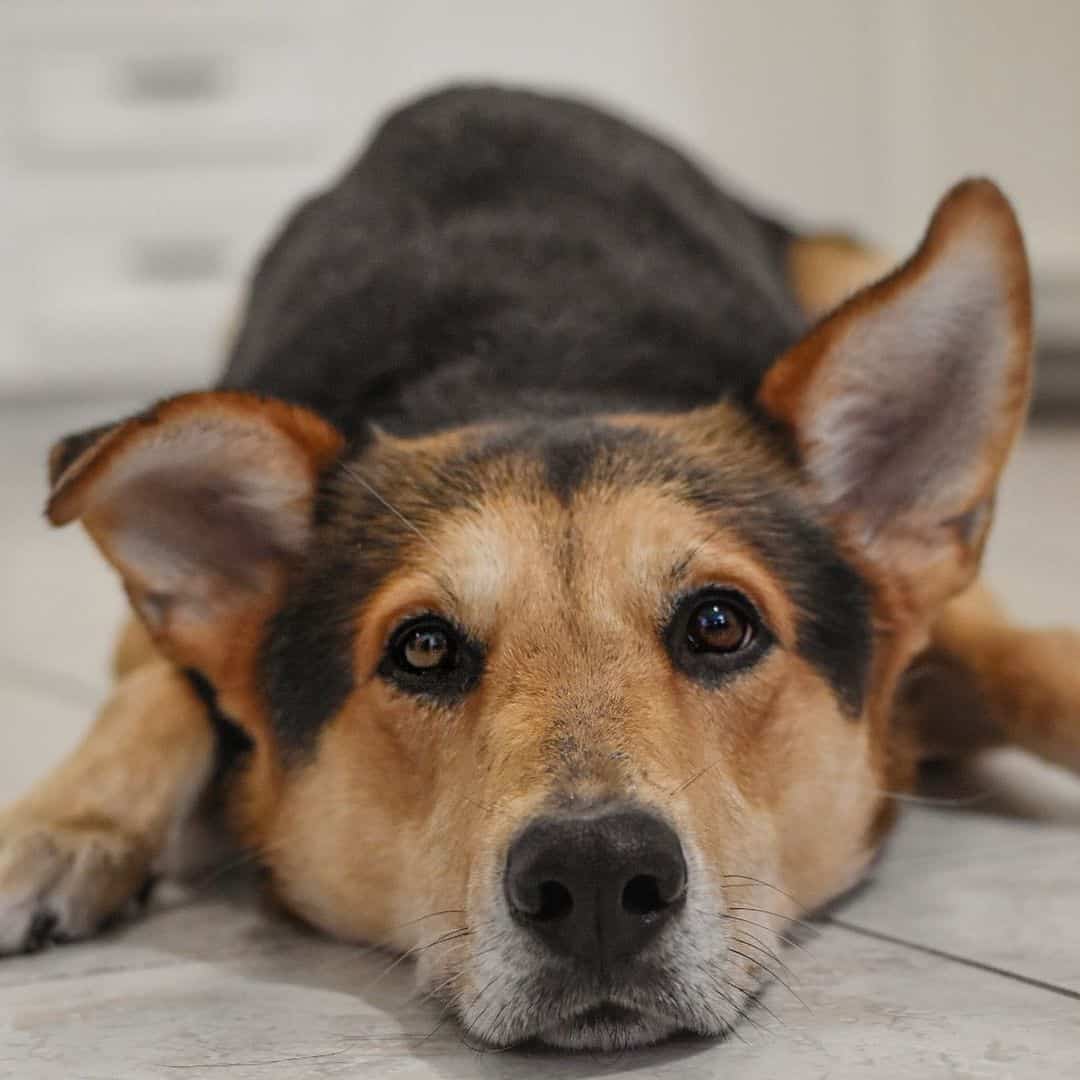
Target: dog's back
point(495, 250)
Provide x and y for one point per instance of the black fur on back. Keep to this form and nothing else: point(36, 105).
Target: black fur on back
point(497, 252)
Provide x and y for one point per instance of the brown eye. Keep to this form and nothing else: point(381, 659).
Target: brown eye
point(431, 657)
point(715, 633)
point(427, 647)
point(718, 626)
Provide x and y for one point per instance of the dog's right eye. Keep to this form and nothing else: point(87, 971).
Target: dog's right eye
point(427, 655)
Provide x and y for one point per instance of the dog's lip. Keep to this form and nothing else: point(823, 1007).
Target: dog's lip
point(605, 1013)
point(609, 1012)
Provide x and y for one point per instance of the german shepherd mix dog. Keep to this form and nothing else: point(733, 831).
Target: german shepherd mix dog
point(550, 581)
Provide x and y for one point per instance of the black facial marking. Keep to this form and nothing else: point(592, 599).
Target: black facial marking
point(571, 452)
point(306, 662)
point(233, 743)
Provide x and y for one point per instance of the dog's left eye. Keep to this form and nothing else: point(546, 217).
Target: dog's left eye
point(429, 656)
point(715, 632)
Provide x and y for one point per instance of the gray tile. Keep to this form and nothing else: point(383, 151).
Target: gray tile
point(214, 982)
point(999, 891)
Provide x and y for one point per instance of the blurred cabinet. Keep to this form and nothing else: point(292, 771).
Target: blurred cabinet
point(146, 151)
point(156, 95)
point(148, 147)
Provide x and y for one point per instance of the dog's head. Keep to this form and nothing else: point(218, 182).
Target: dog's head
point(581, 712)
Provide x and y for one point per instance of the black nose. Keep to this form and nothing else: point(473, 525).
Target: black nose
point(598, 886)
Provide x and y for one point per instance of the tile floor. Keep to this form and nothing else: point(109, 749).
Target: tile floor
point(961, 959)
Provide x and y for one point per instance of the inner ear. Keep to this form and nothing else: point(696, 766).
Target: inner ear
point(202, 503)
point(904, 403)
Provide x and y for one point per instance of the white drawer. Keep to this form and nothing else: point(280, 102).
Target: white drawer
point(137, 307)
point(162, 97)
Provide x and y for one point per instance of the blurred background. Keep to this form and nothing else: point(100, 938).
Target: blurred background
point(149, 147)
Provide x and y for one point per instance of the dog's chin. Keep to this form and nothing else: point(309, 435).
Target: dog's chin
point(607, 1028)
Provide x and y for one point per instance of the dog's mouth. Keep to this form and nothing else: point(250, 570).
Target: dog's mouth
point(607, 1026)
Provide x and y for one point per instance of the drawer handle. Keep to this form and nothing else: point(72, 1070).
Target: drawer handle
point(178, 261)
point(173, 79)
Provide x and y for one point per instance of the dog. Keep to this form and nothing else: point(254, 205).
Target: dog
point(567, 572)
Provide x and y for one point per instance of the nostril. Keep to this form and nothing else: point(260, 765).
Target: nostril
point(555, 902)
point(641, 896)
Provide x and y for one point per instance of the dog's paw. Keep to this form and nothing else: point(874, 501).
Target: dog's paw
point(61, 882)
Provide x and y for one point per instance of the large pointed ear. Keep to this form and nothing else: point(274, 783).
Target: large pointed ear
point(904, 402)
point(203, 504)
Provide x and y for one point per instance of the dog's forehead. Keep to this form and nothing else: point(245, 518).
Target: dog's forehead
point(574, 501)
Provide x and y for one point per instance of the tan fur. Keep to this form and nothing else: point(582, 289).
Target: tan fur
point(985, 682)
point(134, 648)
point(827, 269)
point(83, 841)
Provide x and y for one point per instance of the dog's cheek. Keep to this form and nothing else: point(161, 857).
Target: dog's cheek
point(827, 790)
point(341, 845)
point(785, 811)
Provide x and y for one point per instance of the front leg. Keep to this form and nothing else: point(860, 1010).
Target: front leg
point(80, 845)
point(986, 682)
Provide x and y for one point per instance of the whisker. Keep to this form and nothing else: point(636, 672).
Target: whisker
point(732, 1028)
point(754, 999)
point(416, 950)
point(751, 960)
point(768, 952)
point(784, 938)
point(693, 779)
point(777, 915)
point(354, 474)
point(750, 881)
point(467, 1030)
point(432, 994)
point(446, 1018)
point(778, 934)
point(384, 943)
point(429, 915)
point(741, 1012)
point(766, 968)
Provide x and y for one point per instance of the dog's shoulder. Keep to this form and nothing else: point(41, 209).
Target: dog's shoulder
point(494, 250)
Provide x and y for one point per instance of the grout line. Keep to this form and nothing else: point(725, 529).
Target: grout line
point(55, 684)
point(941, 954)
